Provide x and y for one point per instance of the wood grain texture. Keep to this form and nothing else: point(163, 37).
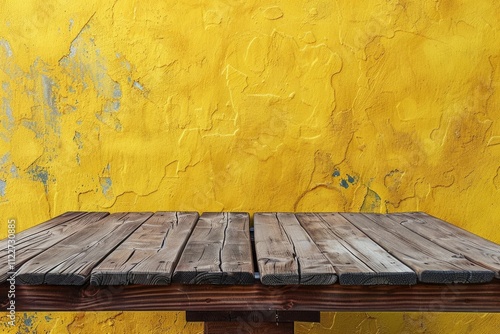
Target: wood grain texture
point(33, 241)
point(45, 225)
point(431, 263)
point(357, 259)
point(275, 255)
point(218, 251)
point(472, 247)
point(71, 260)
point(184, 297)
point(150, 254)
point(37, 229)
point(286, 254)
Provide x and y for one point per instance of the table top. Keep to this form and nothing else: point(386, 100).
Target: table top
point(286, 261)
point(218, 248)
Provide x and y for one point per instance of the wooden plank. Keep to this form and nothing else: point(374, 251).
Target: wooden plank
point(286, 254)
point(275, 255)
point(357, 259)
point(218, 251)
point(150, 254)
point(44, 226)
point(71, 260)
point(472, 247)
point(356, 298)
point(33, 241)
point(41, 236)
point(431, 263)
point(37, 229)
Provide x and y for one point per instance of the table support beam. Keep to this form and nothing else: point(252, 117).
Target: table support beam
point(178, 297)
point(260, 321)
point(246, 328)
point(257, 316)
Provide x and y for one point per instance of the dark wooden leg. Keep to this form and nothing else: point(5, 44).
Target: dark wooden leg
point(248, 322)
point(248, 328)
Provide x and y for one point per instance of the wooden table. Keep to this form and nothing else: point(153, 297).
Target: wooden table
point(213, 267)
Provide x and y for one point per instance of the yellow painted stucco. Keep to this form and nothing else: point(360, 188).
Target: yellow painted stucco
point(375, 105)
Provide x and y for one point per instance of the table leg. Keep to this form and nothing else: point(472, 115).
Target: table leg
point(247, 322)
point(246, 328)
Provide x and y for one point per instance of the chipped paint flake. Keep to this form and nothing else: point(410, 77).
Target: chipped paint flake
point(40, 174)
point(4, 159)
point(3, 187)
point(371, 202)
point(138, 85)
point(6, 47)
point(78, 140)
point(106, 184)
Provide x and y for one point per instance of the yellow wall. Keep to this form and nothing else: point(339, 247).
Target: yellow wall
point(254, 105)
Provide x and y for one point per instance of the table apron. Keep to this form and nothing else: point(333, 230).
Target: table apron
point(178, 297)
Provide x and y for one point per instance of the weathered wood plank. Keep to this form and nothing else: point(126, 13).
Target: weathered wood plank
point(42, 237)
point(474, 248)
point(150, 254)
point(45, 225)
point(37, 229)
point(431, 263)
point(218, 251)
point(71, 260)
point(420, 297)
point(35, 240)
point(275, 255)
point(314, 267)
point(357, 259)
point(286, 254)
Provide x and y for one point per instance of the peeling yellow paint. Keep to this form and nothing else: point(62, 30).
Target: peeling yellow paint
point(254, 106)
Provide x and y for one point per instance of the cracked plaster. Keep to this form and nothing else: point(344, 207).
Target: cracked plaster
point(251, 106)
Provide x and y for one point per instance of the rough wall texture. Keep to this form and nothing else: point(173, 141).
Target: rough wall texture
point(380, 105)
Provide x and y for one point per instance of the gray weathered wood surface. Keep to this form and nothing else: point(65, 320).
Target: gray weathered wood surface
point(286, 254)
point(472, 247)
point(215, 248)
point(218, 251)
point(150, 254)
point(71, 260)
point(29, 243)
point(431, 263)
point(357, 259)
